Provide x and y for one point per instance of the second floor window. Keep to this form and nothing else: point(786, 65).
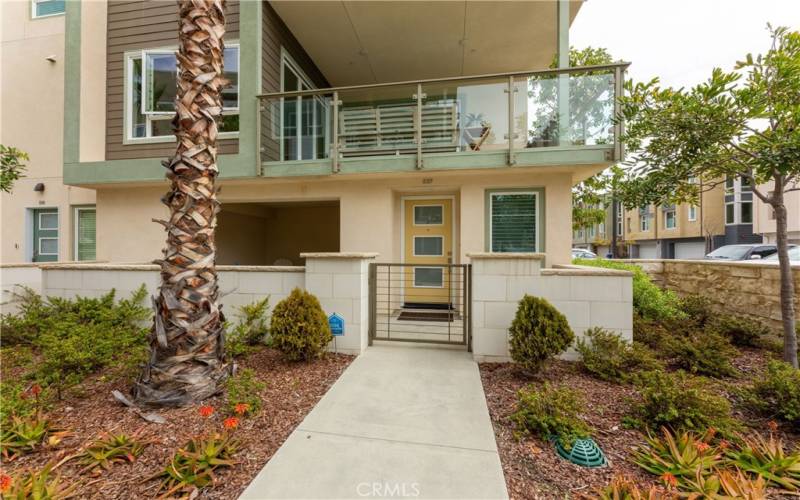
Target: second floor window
point(620, 216)
point(151, 81)
point(670, 219)
point(644, 222)
point(692, 213)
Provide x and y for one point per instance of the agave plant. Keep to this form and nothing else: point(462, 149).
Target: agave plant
point(39, 485)
point(109, 449)
point(737, 485)
point(768, 459)
point(622, 488)
point(192, 467)
point(678, 458)
point(24, 434)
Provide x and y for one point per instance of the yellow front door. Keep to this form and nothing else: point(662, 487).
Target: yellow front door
point(428, 245)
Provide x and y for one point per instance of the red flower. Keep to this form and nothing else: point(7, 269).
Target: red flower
point(701, 446)
point(36, 389)
point(773, 425)
point(231, 422)
point(5, 482)
point(241, 408)
point(206, 411)
point(669, 479)
point(724, 445)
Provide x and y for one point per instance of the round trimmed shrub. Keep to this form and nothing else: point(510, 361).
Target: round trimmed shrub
point(299, 327)
point(538, 332)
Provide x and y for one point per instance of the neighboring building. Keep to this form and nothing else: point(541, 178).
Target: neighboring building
point(597, 237)
point(335, 157)
point(764, 217)
point(42, 220)
point(723, 216)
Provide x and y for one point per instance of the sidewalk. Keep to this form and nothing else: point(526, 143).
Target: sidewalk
point(402, 421)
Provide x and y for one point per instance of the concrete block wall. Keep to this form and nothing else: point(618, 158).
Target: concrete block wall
point(341, 283)
point(588, 297)
point(239, 285)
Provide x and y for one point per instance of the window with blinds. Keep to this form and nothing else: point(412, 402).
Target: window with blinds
point(513, 222)
point(86, 234)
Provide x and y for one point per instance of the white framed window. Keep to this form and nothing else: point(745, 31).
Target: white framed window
point(644, 221)
point(730, 213)
point(739, 205)
point(729, 182)
point(670, 219)
point(47, 8)
point(150, 89)
point(428, 246)
point(590, 231)
point(746, 212)
point(514, 221)
point(620, 218)
point(305, 126)
point(428, 215)
point(85, 238)
point(692, 216)
point(601, 229)
point(48, 220)
point(428, 277)
point(48, 246)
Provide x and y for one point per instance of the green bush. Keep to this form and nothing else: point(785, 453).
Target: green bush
point(649, 301)
point(251, 329)
point(608, 357)
point(299, 327)
point(538, 332)
point(703, 352)
point(743, 332)
point(678, 401)
point(550, 411)
point(244, 388)
point(777, 393)
point(72, 338)
point(697, 308)
point(651, 334)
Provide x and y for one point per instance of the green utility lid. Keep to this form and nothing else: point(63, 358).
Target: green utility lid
point(584, 452)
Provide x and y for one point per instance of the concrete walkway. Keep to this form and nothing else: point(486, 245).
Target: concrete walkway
point(402, 421)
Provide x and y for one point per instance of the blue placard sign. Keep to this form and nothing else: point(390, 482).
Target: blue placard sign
point(336, 323)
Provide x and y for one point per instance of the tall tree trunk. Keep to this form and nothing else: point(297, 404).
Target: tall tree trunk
point(787, 280)
point(187, 361)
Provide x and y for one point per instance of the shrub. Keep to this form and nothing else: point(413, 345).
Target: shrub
point(608, 357)
point(244, 389)
point(652, 334)
point(743, 332)
point(192, 467)
point(549, 412)
point(17, 399)
point(299, 327)
point(680, 456)
point(767, 458)
point(777, 393)
point(538, 332)
point(649, 300)
point(697, 308)
point(678, 401)
point(703, 352)
point(251, 328)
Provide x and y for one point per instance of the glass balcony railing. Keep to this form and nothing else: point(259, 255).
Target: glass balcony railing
point(512, 112)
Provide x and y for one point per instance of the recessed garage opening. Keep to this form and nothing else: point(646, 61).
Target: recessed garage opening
point(275, 234)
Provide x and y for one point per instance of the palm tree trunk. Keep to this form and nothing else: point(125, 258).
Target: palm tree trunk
point(187, 361)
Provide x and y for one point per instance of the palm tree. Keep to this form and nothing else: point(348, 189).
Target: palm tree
point(187, 361)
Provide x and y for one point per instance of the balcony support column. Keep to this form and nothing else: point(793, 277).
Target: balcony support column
point(563, 79)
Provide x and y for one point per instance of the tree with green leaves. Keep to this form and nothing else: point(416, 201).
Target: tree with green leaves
point(744, 123)
point(12, 167)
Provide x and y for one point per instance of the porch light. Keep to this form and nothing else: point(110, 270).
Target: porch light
point(39, 187)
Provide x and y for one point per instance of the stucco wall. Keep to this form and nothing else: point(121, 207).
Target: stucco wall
point(369, 209)
point(746, 289)
point(32, 119)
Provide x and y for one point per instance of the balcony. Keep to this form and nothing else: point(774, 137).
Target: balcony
point(544, 117)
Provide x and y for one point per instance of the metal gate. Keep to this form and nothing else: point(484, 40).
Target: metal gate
point(420, 303)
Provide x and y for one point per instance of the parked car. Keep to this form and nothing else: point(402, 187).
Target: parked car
point(794, 255)
point(742, 252)
point(582, 253)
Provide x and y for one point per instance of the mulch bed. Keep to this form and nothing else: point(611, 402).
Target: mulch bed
point(292, 391)
point(531, 466)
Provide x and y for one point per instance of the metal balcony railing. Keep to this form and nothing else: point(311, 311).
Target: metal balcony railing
point(513, 112)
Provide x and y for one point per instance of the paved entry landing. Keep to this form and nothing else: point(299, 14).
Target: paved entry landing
point(402, 421)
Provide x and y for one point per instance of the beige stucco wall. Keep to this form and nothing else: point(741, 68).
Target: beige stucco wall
point(32, 119)
point(764, 223)
point(369, 207)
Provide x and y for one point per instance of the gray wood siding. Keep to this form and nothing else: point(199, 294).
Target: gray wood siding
point(139, 25)
point(274, 35)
